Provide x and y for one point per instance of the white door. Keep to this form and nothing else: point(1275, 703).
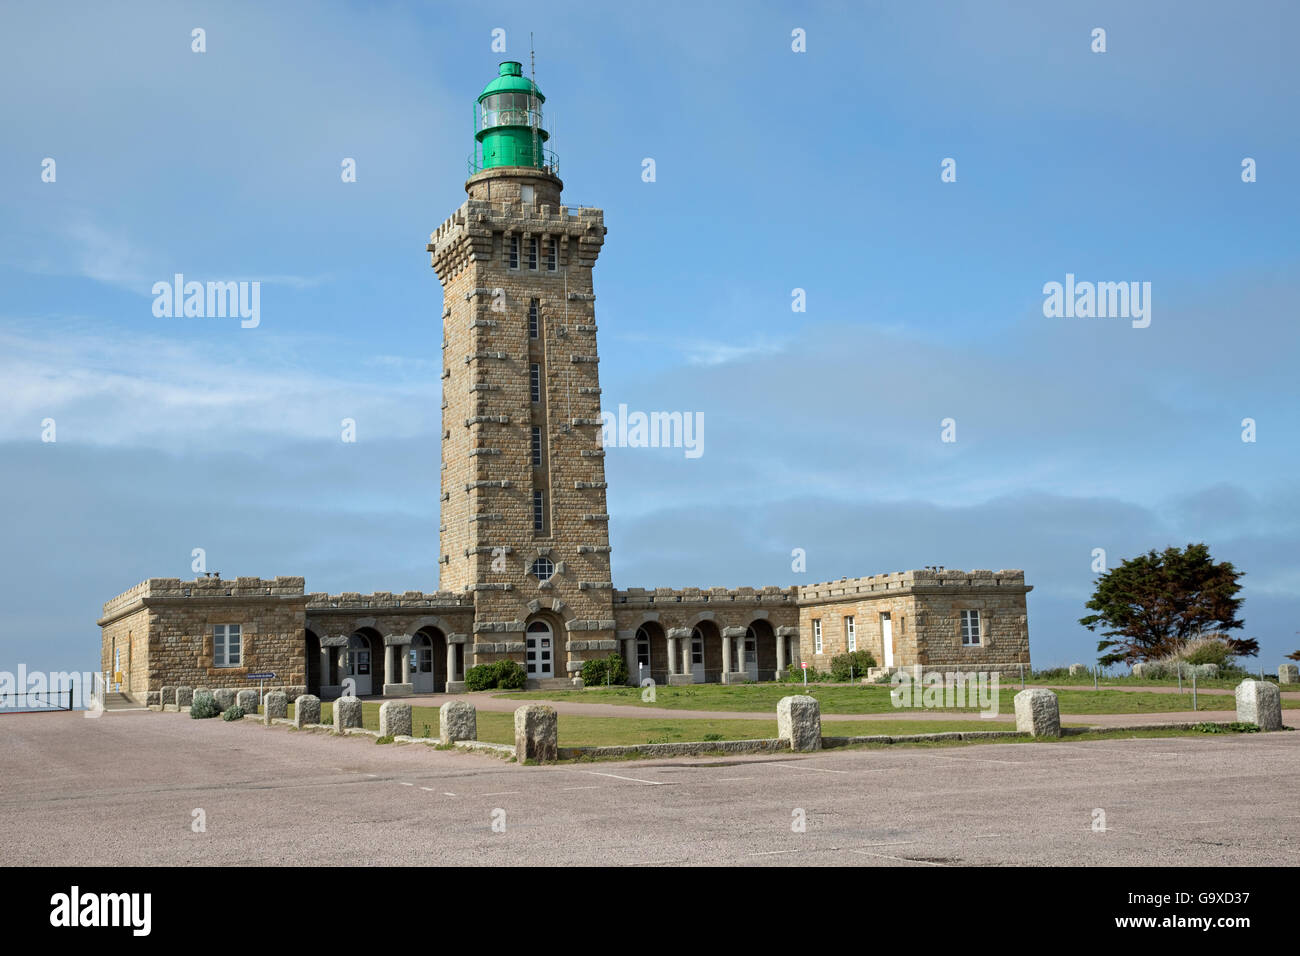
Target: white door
point(422, 664)
point(887, 636)
point(359, 665)
point(697, 657)
point(539, 651)
point(751, 655)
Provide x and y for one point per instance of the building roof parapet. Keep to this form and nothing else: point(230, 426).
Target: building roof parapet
point(900, 581)
point(769, 594)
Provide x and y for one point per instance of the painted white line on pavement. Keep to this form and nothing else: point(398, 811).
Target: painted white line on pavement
point(405, 784)
point(501, 793)
point(900, 859)
point(974, 759)
point(796, 766)
point(592, 787)
point(653, 783)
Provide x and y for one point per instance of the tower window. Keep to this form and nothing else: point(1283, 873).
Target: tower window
point(533, 329)
point(537, 445)
point(542, 569)
point(551, 257)
point(850, 634)
point(817, 636)
point(514, 252)
point(535, 381)
point(532, 252)
point(970, 628)
point(539, 511)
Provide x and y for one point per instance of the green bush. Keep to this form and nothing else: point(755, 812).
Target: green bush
point(203, 708)
point(851, 666)
point(510, 674)
point(506, 674)
point(611, 670)
point(794, 674)
point(233, 713)
point(481, 677)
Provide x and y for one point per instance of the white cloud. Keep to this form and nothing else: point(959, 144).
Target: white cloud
point(158, 392)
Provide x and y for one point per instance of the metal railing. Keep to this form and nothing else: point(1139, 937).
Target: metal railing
point(37, 701)
point(550, 162)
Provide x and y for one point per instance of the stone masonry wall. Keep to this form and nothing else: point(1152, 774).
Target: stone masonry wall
point(925, 608)
point(130, 633)
point(182, 614)
point(488, 477)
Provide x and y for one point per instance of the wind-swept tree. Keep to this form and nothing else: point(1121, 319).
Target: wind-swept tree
point(1151, 605)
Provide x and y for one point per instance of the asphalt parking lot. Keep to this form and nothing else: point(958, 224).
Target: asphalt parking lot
point(124, 788)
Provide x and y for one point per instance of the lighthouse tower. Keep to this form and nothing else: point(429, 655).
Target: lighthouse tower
point(525, 526)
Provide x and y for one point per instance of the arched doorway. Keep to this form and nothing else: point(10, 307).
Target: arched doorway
point(312, 649)
point(539, 651)
point(649, 655)
point(360, 663)
point(706, 653)
point(759, 654)
point(428, 660)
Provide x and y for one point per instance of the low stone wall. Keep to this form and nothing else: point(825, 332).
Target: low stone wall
point(681, 749)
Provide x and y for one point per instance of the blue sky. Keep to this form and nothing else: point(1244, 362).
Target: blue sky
point(775, 170)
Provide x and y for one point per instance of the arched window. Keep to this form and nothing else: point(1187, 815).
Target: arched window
point(542, 569)
point(697, 646)
point(359, 654)
point(643, 646)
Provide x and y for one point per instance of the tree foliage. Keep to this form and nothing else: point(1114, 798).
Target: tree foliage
point(1151, 605)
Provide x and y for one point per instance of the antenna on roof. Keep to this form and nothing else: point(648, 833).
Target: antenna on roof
point(532, 97)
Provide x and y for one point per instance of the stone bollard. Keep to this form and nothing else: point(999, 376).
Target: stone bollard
point(1288, 674)
point(457, 720)
point(275, 705)
point(1077, 669)
point(225, 698)
point(536, 734)
point(306, 710)
point(1037, 713)
point(202, 693)
point(184, 696)
point(167, 695)
point(1259, 703)
point(151, 698)
point(394, 719)
point(799, 721)
point(347, 713)
point(247, 701)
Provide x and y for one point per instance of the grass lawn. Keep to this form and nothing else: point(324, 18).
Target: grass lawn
point(577, 731)
point(870, 699)
point(1048, 741)
point(1202, 683)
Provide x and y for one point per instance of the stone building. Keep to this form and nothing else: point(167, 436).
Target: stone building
point(524, 552)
